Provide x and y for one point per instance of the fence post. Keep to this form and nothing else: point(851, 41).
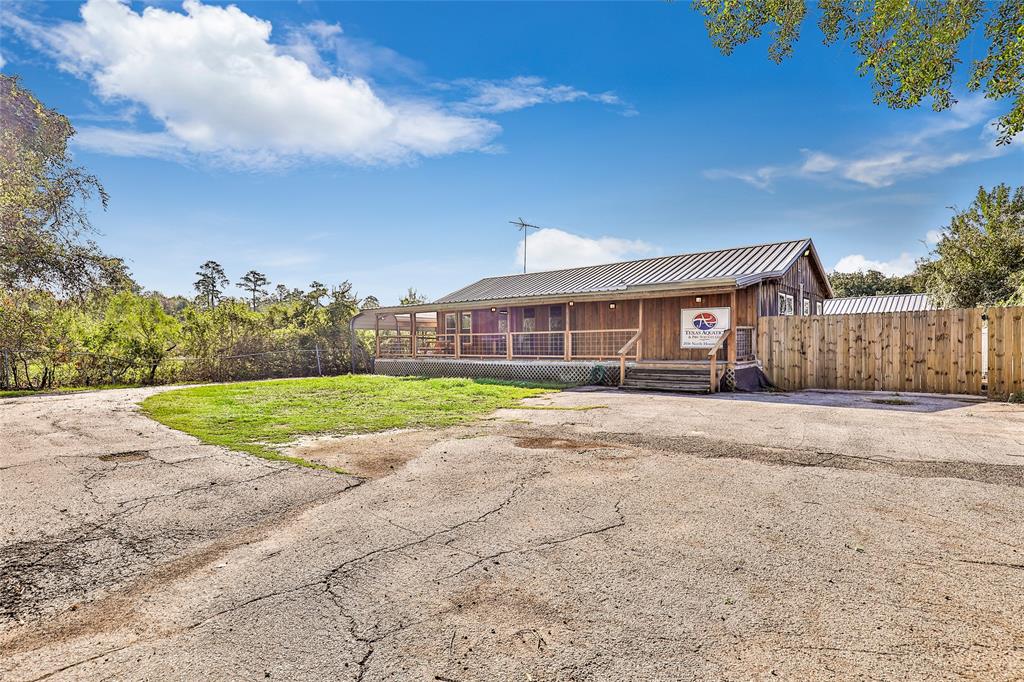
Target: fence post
point(319, 371)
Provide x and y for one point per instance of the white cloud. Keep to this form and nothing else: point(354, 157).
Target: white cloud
point(928, 150)
point(552, 249)
point(761, 178)
point(3, 62)
point(351, 56)
point(903, 264)
point(495, 97)
point(932, 237)
point(818, 162)
point(222, 90)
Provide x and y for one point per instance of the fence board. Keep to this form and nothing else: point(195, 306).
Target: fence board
point(936, 351)
point(1005, 351)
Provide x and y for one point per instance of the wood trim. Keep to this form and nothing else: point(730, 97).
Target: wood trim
point(640, 331)
point(731, 352)
point(412, 332)
point(568, 332)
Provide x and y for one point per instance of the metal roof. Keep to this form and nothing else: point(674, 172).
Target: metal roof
point(889, 303)
point(740, 267)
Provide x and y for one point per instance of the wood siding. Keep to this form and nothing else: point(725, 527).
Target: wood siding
point(600, 315)
point(804, 279)
point(660, 340)
point(936, 351)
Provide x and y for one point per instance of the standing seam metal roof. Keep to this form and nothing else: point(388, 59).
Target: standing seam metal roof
point(889, 303)
point(747, 265)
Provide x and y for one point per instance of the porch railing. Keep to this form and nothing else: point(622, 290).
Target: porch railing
point(745, 340)
point(394, 344)
point(538, 344)
point(431, 344)
point(483, 345)
point(584, 344)
point(600, 344)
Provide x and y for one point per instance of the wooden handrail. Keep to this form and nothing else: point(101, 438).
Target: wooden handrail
point(713, 356)
point(622, 355)
point(629, 344)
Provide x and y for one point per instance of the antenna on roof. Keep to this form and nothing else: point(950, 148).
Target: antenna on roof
point(524, 227)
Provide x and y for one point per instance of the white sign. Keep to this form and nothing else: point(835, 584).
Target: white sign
point(701, 327)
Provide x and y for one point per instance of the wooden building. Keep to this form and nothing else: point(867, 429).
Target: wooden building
point(686, 320)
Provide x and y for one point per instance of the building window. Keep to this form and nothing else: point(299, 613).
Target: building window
point(785, 304)
point(449, 323)
point(556, 322)
point(806, 311)
point(529, 320)
point(502, 321)
point(817, 308)
point(467, 323)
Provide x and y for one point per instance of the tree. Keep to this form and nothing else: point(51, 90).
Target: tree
point(44, 201)
point(370, 303)
point(137, 330)
point(979, 260)
point(872, 283)
point(317, 290)
point(412, 297)
point(255, 284)
point(211, 283)
point(909, 47)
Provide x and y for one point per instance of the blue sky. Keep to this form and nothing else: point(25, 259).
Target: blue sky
point(390, 143)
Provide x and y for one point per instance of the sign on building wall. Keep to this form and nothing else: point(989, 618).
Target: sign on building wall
point(701, 327)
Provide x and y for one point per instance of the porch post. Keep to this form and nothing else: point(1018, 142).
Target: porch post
point(458, 334)
point(376, 335)
point(731, 356)
point(412, 332)
point(640, 328)
point(568, 332)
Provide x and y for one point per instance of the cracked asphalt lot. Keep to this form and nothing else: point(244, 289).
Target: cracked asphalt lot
point(663, 537)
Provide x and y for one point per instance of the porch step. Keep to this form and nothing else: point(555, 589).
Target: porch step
point(686, 380)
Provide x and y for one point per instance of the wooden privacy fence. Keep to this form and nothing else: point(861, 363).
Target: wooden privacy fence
point(938, 351)
point(1005, 351)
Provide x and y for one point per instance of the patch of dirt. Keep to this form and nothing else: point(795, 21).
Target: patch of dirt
point(371, 455)
point(702, 446)
point(127, 456)
point(550, 443)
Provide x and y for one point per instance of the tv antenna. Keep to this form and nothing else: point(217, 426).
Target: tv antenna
point(524, 227)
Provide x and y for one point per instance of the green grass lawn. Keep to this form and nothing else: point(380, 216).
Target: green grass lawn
point(259, 417)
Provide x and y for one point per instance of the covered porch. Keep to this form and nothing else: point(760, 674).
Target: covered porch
point(639, 331)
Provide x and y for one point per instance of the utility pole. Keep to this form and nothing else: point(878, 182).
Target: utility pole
point(524, 227)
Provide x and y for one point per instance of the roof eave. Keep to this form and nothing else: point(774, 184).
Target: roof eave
point(625, 292)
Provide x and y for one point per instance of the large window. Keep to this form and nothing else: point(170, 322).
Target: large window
point(785, 304)
point(449, 323)
point(529, 320)
point(467, 323)
point(556, 322)
point(817, 307)
point(806, 311)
